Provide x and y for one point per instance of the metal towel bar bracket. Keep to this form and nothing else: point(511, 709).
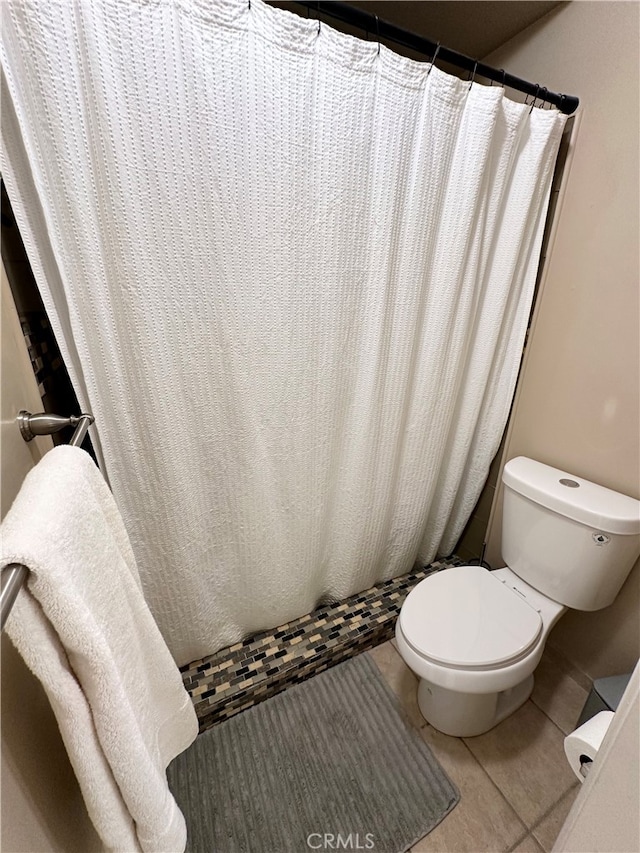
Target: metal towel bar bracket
point(44, 424)
point(15, 574)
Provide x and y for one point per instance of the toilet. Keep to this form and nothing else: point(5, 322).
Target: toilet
point(474, 637)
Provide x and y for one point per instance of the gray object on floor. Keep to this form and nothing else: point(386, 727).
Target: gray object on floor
point(605, 695)
point(333, 755)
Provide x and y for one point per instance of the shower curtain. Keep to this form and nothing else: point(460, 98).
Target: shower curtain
point(290, 274)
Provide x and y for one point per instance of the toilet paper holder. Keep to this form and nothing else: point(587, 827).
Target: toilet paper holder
point(585, 765)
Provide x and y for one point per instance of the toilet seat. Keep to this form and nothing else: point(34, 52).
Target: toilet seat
point(464, 618)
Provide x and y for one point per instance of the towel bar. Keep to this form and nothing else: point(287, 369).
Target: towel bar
point(15, 574)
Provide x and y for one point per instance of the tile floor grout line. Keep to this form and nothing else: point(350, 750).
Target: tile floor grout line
point(546, 814)
point(540, 708)
point(488, 775)
point(519, 841)
point(496, 786)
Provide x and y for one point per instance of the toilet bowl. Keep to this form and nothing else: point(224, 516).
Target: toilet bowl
point(474, 637)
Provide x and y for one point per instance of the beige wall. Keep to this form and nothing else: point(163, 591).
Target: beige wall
point(577, 403)
point(42, 808)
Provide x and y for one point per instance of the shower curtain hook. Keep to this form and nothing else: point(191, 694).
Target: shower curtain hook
point(378, 33)
point(473, 76)
point(318, 13)
point(533, 102)
point(543, 98)
point(504, 76)
point(433, 59)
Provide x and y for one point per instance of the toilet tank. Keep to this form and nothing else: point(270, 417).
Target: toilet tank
point(572, 540)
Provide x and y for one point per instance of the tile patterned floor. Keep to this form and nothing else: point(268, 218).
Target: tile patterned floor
point(225, 683)
point(515, 784)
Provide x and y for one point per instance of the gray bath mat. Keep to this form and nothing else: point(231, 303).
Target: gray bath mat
point(329, 764)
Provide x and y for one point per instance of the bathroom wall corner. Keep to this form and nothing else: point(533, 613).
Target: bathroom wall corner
point(577, 404)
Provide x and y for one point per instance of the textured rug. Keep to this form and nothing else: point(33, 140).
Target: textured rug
point(331, 763)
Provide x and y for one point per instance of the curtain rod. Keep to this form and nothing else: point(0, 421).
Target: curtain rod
point(369, 22)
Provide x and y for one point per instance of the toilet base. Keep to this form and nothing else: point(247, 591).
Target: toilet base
point(469, 714)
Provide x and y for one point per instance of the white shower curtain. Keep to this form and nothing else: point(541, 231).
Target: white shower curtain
point(289, 274)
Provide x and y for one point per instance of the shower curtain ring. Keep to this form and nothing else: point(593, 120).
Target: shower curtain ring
point(504, 76)
point(533, 102)
point(433, 59)
point(318, 12)
point(378, 33)
point(473, 76)
point(543, 97)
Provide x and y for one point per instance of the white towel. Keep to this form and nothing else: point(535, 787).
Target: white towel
point(84, 629)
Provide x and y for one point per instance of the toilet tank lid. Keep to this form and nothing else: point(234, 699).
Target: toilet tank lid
point(573, 497)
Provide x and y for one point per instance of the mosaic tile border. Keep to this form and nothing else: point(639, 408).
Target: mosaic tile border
point(235, 678)
point(43, 351)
